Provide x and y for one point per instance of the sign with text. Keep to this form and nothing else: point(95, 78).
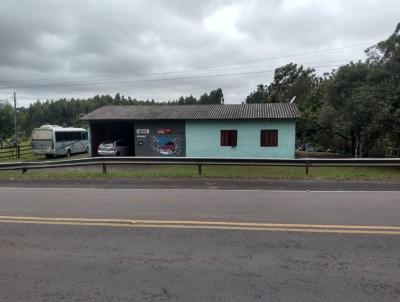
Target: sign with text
point(142, 131)
point(164, 131)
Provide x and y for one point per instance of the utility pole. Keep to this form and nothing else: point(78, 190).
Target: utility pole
point(15, 118)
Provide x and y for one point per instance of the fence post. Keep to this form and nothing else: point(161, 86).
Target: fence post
point(307, 163)
point(199, 168)
point(18, 151)
point(104, 168)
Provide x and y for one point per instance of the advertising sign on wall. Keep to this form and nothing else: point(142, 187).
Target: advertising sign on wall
point(142, 131)
point(164, 131)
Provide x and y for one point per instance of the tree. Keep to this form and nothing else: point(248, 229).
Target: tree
point(293, 81)
point(289, 81)
point(354, 109)
point(342, 114)
point(384, 75)
point(362, 100)
point(216, 96)
point(6, 119)
point(257, 96)
point(68, 112)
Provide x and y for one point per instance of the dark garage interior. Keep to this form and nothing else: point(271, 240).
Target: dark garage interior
point(104, 131)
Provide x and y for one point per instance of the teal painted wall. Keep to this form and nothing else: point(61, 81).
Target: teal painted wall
point(90, 141)
point(203, 138)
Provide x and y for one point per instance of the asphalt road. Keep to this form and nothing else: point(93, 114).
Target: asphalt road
point(350, 208)
point(64, 261)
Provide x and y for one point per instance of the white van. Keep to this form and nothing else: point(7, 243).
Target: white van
point(53, 140)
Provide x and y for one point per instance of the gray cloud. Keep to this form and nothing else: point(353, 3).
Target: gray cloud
point(62, 41)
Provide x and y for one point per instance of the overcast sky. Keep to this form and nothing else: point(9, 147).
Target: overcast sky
point(164, 49)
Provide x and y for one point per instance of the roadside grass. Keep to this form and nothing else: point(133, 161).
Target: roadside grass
point(185, 171)
point(24, 157)
point(35, 157)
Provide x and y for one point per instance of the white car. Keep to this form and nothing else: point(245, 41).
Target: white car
point(113, 148)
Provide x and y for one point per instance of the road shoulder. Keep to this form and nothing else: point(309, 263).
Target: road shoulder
point(209, 183)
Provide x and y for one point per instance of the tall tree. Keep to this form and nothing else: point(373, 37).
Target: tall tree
point(354, 109)
point(384, 76)
point(216, 96)
point(6, 119)
point(362, 101)
point(291, 81)
point(257, 96)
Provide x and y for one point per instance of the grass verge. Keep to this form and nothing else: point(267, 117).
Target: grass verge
point(315, 173)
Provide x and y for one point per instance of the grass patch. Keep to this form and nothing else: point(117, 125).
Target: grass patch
point(24, 157)
point(315, 173)
point(39, 157)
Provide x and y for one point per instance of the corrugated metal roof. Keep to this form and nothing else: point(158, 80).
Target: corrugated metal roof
point(195, 112)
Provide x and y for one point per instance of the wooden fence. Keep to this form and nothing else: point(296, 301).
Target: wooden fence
point(15, 152)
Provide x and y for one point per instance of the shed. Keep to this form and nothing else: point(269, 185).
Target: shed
point(265, 130)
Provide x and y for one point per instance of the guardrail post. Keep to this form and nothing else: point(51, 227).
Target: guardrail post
point(104, 168)
point(199, 168)
point(18, 151)
point(307, 164)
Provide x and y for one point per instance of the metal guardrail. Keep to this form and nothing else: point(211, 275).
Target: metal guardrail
point(202, 161)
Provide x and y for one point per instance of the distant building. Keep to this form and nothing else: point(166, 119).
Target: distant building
point(246, 130)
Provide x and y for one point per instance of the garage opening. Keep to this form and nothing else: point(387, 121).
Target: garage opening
point(111, 131)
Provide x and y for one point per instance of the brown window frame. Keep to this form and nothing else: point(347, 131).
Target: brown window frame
point(269, 138)
point(228, 138)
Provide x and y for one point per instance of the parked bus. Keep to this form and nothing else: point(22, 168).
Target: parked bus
point(52, 140)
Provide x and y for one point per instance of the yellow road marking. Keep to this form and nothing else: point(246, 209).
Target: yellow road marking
point(251, 224)
point(215, 225)
point(193, 222)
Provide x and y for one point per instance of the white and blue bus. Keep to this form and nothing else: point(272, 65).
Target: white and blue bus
point(52, 140)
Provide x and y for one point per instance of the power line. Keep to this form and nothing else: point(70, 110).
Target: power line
point(74, 84)
point(327, 51)
point(138, 75)
point(305, 54)
point(100, 79)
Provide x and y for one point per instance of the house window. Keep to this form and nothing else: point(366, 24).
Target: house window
point(229, 138)
point(269, 138)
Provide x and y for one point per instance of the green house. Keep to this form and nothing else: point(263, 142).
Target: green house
point(241, 131)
